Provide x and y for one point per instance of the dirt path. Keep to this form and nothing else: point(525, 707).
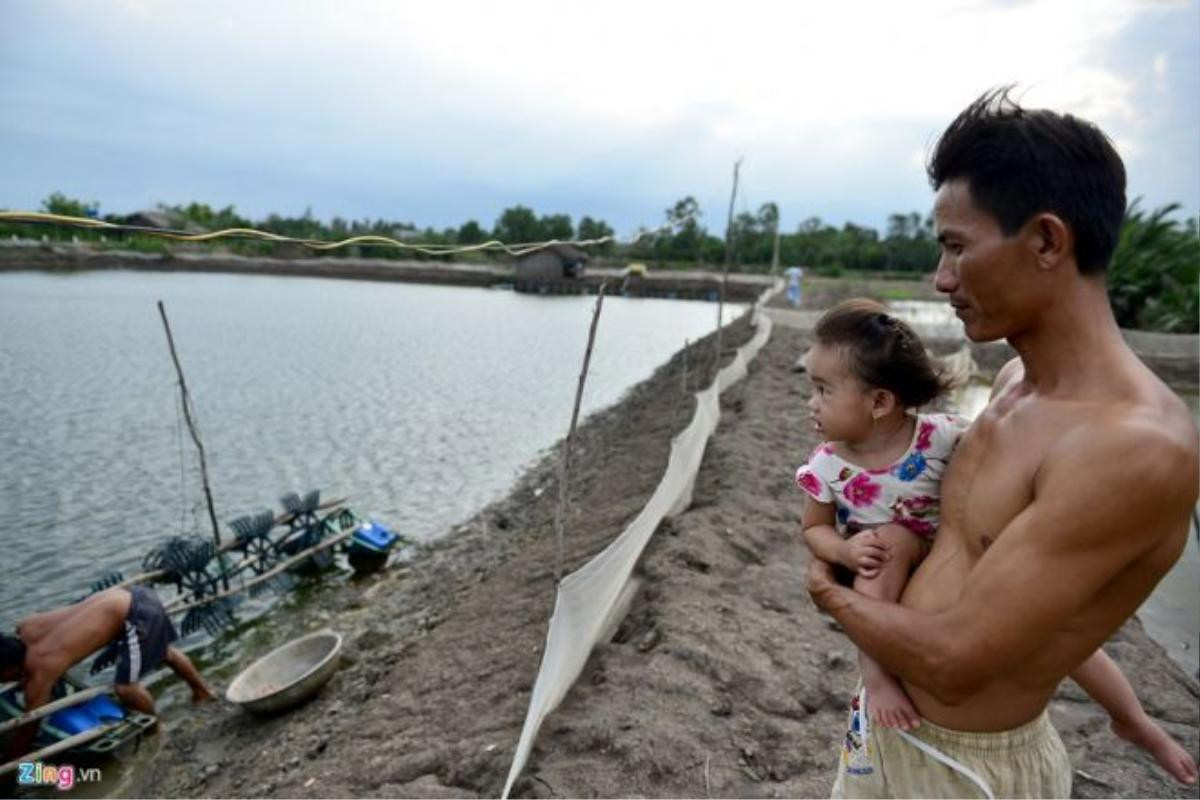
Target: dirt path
point(722, 681)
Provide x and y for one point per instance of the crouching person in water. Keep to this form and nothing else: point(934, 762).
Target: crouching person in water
point(130, 624)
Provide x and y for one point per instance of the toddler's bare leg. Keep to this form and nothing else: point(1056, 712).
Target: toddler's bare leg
point(889, 704)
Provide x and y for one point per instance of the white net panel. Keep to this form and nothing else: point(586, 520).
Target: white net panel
point(592, 599)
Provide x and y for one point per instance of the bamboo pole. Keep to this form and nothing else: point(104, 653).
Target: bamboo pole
point(186, 401)
point(58, 705)
point(564, 466)
point(737, 165)
point(58, 747)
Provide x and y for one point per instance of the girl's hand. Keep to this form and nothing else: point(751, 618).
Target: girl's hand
point(867, 553)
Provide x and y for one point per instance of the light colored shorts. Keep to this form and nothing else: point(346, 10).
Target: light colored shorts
point(1029, 761)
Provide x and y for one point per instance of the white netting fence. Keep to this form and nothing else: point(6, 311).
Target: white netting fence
point(593, 598)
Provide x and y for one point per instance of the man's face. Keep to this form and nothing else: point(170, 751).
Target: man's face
point(985, 273)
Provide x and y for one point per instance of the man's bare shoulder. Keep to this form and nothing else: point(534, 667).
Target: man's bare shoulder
point(1149, 442)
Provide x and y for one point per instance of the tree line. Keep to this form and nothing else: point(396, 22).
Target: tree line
point(681, 240)
point(1153, 278)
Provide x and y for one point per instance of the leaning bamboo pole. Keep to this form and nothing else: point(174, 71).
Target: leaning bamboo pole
point(564, 466)
point(58, 705)
point(186, 401)
point(58, 747)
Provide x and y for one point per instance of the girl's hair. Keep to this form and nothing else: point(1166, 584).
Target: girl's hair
point(882, 351)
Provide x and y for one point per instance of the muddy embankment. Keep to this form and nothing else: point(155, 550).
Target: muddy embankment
point(723, 680)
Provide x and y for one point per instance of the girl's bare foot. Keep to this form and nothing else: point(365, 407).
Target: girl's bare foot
point(889, 705)
point(1149, 735)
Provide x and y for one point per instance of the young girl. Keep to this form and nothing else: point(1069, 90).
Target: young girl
point(873, 492)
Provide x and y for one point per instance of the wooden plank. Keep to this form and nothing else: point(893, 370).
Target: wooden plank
point(66, 744)
point(43, 711)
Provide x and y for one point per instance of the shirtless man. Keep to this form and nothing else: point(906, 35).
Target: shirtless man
point(132, 622)
point(1067, 499)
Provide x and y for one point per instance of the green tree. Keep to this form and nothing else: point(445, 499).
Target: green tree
point(59, 203)
point(910, 244)
point(596, 229)
point(516, 225)
point(1153, 276)
point(556, 226)
point(683, 241)
point(470, 233)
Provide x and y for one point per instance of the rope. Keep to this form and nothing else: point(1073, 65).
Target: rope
point(521, 249)
point(938, 755)
point(927, 749)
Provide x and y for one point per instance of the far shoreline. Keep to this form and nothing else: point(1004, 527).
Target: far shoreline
point(682, 284)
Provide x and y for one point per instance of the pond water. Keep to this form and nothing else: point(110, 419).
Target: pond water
point(419, 403)
point(1171, 615)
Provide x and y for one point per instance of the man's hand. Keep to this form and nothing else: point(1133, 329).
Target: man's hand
point(821, 581)
point(868, 553)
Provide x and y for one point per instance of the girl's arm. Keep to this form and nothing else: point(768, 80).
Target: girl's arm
point(821, 536)
point(863, 553)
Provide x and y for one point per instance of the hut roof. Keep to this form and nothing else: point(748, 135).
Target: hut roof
point(158, 218)
point(150, 219)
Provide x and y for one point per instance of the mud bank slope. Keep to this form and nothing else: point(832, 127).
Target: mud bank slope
point(722, 681)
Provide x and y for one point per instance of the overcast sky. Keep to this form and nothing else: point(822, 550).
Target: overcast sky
point(439, 112)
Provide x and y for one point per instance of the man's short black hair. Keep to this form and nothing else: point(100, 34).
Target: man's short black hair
point(12, 651)
point(1018, 163)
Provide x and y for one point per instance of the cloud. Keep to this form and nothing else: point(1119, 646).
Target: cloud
point(446, 111)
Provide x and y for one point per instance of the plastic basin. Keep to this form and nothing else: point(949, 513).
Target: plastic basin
point(288, 675)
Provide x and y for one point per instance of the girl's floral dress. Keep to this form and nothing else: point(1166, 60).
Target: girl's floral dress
point(907, 492)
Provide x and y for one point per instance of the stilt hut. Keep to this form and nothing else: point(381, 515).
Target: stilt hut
point(553, 263)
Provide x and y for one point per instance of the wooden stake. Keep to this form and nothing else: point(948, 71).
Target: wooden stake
point(737, 165)
point(564, 466)
point(687, 349)
point(187, 414)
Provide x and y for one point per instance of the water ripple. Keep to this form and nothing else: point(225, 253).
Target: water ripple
point(420, 403)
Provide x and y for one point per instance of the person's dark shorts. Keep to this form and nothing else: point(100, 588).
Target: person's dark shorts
point(142, 644)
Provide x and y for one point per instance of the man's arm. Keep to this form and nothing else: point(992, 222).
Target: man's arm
point(37, 689)
point(1103, 498)
point(182, 666)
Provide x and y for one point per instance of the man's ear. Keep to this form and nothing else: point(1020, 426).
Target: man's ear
point(1050, 239)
